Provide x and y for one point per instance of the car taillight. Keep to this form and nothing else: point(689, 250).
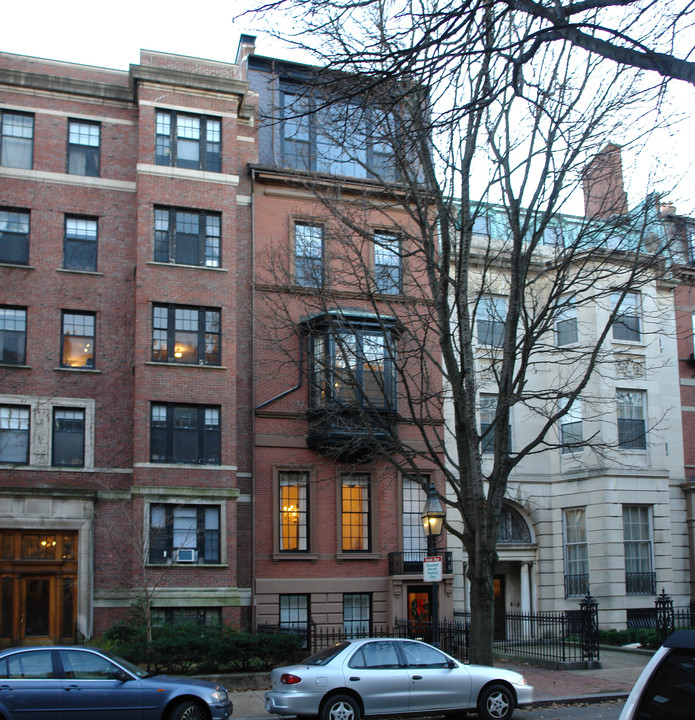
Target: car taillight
point(288, 679)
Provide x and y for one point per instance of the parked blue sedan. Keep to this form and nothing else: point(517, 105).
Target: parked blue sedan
point(81, 683)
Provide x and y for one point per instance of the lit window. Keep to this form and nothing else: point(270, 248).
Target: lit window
point(83, 148)
point(355, 513)
point(185, 434)
point(68, 437)
point(78, 340)
point(308, 255)
point(13, 335)
point(576, 553)
point(186, 237)
point(184, 533)
point(14, 237)
point(185, 335)
point(14, 434)
point(387, 264)
point(627, 320)
point(293, 511)
point(188, 141)
point(414, 540)
point(490, 318)
point(16, 139)
point(80, 248)
point(632, 432)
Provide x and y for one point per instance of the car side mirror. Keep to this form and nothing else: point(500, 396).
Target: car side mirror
point(122, 676)
point(451, 664)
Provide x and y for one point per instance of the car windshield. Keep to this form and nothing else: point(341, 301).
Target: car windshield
point(129, 666)
point(323, 657)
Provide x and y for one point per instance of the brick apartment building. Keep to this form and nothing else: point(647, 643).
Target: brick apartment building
point(125, 339)
point(137, 208)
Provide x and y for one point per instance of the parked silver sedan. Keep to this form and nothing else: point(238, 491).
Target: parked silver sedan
point(392, 676)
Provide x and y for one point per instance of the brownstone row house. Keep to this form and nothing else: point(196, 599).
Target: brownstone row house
point(157, 448)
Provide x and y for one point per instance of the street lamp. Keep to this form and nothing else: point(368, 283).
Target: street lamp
point(432, 519)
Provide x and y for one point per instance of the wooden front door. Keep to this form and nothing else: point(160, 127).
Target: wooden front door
point(38, 583)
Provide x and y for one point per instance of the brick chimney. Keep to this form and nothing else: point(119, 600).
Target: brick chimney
point(604, 193)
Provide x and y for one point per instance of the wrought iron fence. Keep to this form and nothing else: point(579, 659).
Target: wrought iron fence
point(640, 583)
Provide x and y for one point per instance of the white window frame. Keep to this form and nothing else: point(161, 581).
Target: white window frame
point(575, 545)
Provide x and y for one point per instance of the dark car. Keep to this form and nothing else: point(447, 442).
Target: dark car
point(395, 676)
point(69, 683)
point(666, 688)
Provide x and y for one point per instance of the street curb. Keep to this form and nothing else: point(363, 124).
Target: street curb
point(577, 700)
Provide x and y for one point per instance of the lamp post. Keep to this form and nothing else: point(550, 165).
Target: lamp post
point(432, 519)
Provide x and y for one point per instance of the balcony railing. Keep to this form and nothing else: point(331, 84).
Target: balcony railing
point(410, 563)
point(349, 431)
point(576, 585)
point(640, 583)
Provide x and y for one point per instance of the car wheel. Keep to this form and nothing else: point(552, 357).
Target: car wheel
point(495, 702)
point(340, 707)
point(188, 710)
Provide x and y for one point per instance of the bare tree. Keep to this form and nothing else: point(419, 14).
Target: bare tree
point(478, 267)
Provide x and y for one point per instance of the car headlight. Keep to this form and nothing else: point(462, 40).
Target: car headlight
point(521, 681)
point(219, 695)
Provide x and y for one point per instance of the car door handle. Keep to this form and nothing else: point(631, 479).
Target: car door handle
point(354, 678)
point(417, 677)
point(72, 687)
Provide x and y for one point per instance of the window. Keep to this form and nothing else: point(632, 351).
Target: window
point(83, 148)
point(13, 335)
point(490, 318)
point(188, 141)
point(512, 527)
point(576, 553)
point(488, 425)
point(381, 655)
point(571, 428)
point(68, 437)
point(80, 248)
point(414, 541)
point(552, 235)
point(566, 329)
point(640, 578)
point(187, 615)
point(185, 335)
point(353, 368)
point(187, 237)
point(387, 264)
point(184, 534)
point(341, 138)
point(481, 226)
point(14, 434)
point(308, 255)
point(355, 513)
point(357, 614)
point(16, 139)
point(14, 237)
point(293, 504)
point(294, 612)
point(78, 340)
point(632, 432)
point(185, 434)
point(627, 320)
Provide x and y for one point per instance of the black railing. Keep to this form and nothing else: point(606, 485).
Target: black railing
point(410, 563)
point(576, 585)
point(640, 583)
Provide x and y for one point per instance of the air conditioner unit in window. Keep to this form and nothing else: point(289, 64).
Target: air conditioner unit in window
point(186, 555)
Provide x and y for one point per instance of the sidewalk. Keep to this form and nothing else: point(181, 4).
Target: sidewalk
point(613, 681)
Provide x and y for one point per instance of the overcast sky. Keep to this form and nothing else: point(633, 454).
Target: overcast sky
point(111, 35)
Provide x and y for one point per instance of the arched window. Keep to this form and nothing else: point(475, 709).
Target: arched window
point(513, 527)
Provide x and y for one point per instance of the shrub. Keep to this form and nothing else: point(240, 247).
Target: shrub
point(189, 648)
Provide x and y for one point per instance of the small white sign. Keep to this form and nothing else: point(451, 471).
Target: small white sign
point(432, 569)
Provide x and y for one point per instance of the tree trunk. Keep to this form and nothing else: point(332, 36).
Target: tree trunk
point(480, 575)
